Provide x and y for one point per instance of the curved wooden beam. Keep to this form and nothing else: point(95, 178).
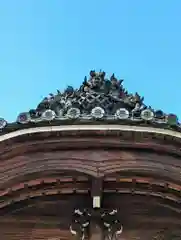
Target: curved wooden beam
point(97, 151)
point(98, 163)
point(123, 128)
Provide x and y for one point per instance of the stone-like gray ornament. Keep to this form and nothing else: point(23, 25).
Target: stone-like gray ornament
point(3, 123)
point(48, 115)
point(147, 115)
point(98, 112)
point(73, 113)
point(122, 113)
point(24, 118)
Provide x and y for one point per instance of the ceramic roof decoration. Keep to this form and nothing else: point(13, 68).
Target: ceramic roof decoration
point(98, 99)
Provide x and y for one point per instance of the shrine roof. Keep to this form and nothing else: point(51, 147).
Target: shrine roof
point(99, 100)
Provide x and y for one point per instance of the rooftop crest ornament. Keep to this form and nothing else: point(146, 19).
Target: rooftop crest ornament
point(73, 113)
point(3, 123)
point(99, 98)
point(98, 112)
point(48, 115)
point(172, 119)
point(147, 114)
point(122, 113)
point(24, 118)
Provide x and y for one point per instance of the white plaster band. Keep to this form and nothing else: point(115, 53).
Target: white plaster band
point(89, 128)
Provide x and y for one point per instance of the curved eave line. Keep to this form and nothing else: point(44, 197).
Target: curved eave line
point(12, 175)
point(53, 192)
point(31, 184)
point(90, 128)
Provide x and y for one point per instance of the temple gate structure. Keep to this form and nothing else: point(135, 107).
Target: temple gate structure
point(91, 163)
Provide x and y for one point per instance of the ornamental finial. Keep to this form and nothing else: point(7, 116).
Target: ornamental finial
point(98, 98)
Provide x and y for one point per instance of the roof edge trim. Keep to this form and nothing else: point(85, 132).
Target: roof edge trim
point(89, 128)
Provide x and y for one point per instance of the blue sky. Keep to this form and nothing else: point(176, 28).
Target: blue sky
point(49, 44)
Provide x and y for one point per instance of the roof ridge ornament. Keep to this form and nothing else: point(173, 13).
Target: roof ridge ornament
point(98, 98)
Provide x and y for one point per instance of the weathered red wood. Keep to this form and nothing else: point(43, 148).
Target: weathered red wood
point(131, 158)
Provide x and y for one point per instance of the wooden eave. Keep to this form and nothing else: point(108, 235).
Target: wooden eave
point(151, 154)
